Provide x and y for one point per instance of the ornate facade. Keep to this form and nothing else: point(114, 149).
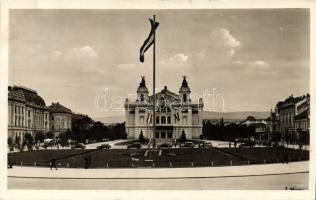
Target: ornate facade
point(27, 112)
point(175, 114)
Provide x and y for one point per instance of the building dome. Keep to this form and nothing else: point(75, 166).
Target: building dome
point(142, 86)
point(27, 95)
point(184, 86)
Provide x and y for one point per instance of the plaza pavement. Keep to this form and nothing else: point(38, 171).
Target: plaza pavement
point(139, 173)
point(252, 177)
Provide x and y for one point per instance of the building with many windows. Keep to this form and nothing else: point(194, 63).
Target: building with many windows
point(60, 118)
point(175, 114)
point(27, 112)
point(292, 116)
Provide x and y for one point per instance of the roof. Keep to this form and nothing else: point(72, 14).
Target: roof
point(58, 108)
point(290, 101)
point(26, 95)
point(302, 115)
point(167, 93)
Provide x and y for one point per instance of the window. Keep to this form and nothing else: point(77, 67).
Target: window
point(184, 98)
point(141, 97)
point(141, 119)
point(169, 134)
point(163, 134)
point(29, 113)
point(169, 120)
point(163, 120)
point(141, 111)
point(185, 120)
point(157, 134)
point(185, 111)
point(157, 119)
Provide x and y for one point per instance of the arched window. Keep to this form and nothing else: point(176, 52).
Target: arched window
point(141, 97)
point(163, 120)
point(169, 120)
point(157, 119)
point(184, 98)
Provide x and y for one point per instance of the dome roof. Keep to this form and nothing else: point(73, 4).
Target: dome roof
point(184, 86)
point(26, 95)
point(142, 86)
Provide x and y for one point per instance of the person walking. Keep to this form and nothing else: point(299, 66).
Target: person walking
point(86, 162)
point(53, 163)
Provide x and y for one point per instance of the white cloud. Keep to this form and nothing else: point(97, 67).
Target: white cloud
point(222, 39)
point(126, 66)
point(179, 57)
point(260, 64)
point(82, 52)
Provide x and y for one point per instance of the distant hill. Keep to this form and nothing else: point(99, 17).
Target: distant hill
point(110, 119)
point(234, 116)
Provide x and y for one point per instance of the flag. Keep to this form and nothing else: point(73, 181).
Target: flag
point(176, 116)
point(149, 118)
point(149, 41)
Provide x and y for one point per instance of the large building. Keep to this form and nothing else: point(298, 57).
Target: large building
point(175, 114)
point(60, 118)
point(292, 116)
point(28, 113)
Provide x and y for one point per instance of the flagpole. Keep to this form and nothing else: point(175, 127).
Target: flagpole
point(154, 87)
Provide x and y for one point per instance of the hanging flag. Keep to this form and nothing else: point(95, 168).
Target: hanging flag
point(149, 41)
point(149, 118)
point(176, 116)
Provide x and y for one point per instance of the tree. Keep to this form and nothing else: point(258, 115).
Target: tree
point(50, 135)
point(63, 138)
point(183, 137)
point(28, 141)
point(141, 137)
point(39, 136)
point(10, 143)
point(18, 142)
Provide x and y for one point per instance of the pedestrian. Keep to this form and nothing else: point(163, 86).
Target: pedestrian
point(89, 161)
point(10, 162)
point(86, 162)
point(53, 163)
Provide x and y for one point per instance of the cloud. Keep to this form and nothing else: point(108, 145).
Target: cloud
point(177, 60)
point(126, 66)
point(224, 40)
point(218, 48)
point(259, 64)
point(85, 52)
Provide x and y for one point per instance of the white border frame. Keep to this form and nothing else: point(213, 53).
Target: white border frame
point(148, 4)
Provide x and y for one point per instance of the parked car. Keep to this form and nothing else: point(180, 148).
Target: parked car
point(208, 144)
point(136, 145)
point(78, 146)
point(164, 145)
point(188, 145)
point(247, 144)
point(104, 146)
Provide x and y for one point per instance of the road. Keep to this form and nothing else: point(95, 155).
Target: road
point(252, 177)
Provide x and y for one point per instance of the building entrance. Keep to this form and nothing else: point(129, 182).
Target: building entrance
point(164, 132)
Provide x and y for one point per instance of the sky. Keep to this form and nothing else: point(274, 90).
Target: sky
point(88, 60)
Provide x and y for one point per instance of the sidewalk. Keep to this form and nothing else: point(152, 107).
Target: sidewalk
point(160, 173)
